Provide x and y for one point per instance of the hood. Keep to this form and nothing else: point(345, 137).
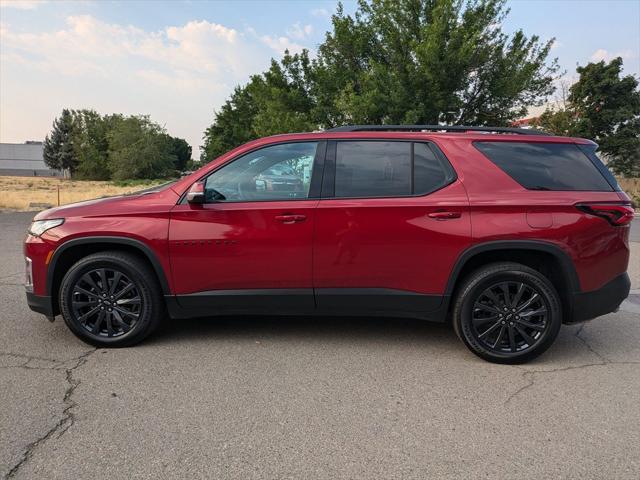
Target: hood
point(141, 202)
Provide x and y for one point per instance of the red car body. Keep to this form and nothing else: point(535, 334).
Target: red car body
point(390, 256)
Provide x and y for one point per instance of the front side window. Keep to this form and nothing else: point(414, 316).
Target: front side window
point(277, 172)
point(388, 169)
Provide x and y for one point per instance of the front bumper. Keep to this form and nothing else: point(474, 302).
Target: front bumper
point(41, 304)
point(606, 299)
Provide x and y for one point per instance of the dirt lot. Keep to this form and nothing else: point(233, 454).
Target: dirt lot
point(320, 398)
point(20, 193)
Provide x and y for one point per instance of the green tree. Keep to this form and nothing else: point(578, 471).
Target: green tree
point(181, 150)
point(603, 106)
point(139, 148)
point(58, 145)
point(431, 61)
point(274, 102)
point(395, 61)
point(91, 144)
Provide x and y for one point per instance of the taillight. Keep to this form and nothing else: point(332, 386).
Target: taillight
point(616, 214)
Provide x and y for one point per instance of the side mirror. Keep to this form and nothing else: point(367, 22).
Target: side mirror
point(195, 195)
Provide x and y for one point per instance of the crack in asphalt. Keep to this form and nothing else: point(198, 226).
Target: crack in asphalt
point(33, 357)
point(68, 417)
point(9, 276)
point(530, 375)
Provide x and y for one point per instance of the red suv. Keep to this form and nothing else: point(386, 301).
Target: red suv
point(509, 233)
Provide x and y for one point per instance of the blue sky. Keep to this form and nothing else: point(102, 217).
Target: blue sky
point(179, 60)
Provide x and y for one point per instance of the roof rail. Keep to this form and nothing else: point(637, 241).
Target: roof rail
point(434, 128)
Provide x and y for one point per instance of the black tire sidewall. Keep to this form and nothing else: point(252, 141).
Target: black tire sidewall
point(483, 279)
point(136, 273)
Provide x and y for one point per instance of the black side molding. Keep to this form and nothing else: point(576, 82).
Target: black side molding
point(541, 246)
point(249, 299)
point(115, 240)
point(375, 299)
point(306, 301)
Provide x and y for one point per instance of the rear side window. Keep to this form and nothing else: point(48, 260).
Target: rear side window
point(546, 166)
point(429, 173)
point(388, 169)
point(373, 169)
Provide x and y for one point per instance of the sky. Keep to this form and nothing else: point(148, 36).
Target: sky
point(178, 61)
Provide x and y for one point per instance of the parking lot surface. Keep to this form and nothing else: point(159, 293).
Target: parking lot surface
point(311, 398)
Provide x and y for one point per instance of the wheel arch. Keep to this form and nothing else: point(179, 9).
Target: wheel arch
point(72, 250)
point(546, 257)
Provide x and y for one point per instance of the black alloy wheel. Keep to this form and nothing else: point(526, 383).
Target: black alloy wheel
point(507, 313)
point(111, 299)
point(509, 317)
point(106, 302)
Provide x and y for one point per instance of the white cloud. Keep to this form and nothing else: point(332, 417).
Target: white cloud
point(89, 45)
point(21, 4)
point(178, 74)
point(300, 32)
point(556, 44)
point(320, 12)
point(602, 54)
point(280, 44)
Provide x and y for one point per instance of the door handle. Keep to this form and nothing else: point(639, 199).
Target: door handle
point(289, 219)
point(444, 215)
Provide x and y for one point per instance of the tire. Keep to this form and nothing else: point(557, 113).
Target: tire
point(122, 313)
point(519, 333)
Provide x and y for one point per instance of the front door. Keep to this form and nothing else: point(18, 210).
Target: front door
point(249, 246)
point(391, 223)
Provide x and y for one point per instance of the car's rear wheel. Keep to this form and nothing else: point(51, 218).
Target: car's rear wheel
point(111, 299)
point(507, 313)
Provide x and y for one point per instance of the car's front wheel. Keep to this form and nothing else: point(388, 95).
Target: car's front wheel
point(111, 299)
point(507, 313)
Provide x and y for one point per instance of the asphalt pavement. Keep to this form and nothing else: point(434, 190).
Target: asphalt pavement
point(311, 398)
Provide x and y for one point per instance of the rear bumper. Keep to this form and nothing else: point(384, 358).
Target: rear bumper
point(607, 299)
point(40, 304)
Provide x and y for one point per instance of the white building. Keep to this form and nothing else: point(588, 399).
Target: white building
point(24, 160)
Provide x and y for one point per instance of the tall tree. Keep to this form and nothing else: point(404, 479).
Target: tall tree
point(139, 148)
point(431, 61)
point(604, 106)
point(395, 61)
point(91, 144)
point(58, 145)
point(179, 148)
point(276, 101)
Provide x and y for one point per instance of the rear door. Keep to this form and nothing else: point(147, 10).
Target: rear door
point(250, 245)
point(392, 220)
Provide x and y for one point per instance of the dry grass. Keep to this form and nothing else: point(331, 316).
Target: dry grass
point(18, 193)
point(632, 187)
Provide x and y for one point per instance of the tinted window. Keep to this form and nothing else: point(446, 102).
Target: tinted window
point(590, 151)
point(383, 169)
point(278, 172)
point(373, 169)
point(428, 172)
point(545, 166)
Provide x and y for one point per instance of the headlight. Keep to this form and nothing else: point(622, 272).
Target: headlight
point(38, 227)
